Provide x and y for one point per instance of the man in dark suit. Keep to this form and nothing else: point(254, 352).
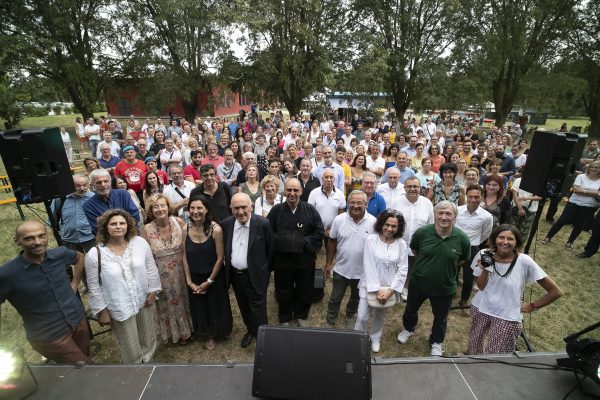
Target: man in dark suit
point(249, 242)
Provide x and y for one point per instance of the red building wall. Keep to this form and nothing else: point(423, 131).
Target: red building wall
point(122, 102)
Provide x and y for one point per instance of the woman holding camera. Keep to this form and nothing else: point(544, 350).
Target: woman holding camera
point(501, 274)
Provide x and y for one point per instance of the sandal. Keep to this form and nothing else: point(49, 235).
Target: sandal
point(569, 246)
point(545, 241)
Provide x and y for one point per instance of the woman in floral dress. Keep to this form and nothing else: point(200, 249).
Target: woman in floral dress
point(164, 234)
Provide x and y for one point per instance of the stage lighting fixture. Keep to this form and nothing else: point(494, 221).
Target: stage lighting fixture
point(584, 356)
point(16, 379)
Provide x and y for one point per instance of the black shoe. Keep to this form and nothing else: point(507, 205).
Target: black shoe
point(246, 340)
point(583, 255)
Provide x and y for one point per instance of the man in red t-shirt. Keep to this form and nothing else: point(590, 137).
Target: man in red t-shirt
point(131, 169)
point(212, 156)
point(192, 171)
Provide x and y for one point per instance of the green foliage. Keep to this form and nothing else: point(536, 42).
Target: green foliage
point(66, 42)
point(407, 39)
point(32, 111)
point(290, 46)
point(57, 109)
point(181, 44)
point(506, 40)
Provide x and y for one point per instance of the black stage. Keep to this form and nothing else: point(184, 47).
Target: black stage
point(406, 378)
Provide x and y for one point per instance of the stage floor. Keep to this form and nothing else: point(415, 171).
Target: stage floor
point(407, 378)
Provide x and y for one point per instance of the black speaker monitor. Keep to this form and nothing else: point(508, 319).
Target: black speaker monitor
point(36, 164)
point(302, 363)
point(552, 161)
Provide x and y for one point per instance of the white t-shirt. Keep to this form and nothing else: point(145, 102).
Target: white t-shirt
point(501, 297)
point(350, 239)
point(585, 183)
point(373, 165)
point(416, 215)
point(327, 206)
point(93, 128)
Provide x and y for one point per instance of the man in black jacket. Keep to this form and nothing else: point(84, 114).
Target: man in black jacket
point(299, 234)
point(249, 242)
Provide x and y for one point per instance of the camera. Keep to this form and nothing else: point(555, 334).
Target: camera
point(487, 259)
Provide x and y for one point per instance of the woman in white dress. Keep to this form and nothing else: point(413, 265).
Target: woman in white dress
point(385, 262)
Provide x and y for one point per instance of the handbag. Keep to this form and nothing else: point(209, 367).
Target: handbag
point(373, 302)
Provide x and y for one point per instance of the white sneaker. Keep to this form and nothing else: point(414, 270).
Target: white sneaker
point(404, 335)
point(303, 323)
point(375, 347)
point(404, 294)
point(436, 350)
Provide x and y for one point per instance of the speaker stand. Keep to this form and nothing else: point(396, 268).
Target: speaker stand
point(53, 221)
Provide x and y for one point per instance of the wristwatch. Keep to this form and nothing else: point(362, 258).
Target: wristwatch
point(210, 281)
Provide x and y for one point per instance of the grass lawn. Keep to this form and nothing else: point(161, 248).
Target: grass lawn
point(580, 306)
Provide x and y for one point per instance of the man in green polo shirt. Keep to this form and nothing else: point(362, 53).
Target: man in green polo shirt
point(439, 250)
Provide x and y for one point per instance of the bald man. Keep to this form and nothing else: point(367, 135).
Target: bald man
point(249, 244)
point(36, 284)
point(299, 234)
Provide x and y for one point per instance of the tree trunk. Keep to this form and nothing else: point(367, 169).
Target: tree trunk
point(594, 131)
point(81, 104)
point(190, 106)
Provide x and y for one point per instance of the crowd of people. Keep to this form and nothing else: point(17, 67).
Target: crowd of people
point(178, 213)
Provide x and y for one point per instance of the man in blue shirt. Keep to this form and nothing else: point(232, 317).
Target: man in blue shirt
point(36, 285)
point(375, 202)
point(106, 199)
point(75, 230)
point(106, 159)
point(401, 163)
point(328, 163)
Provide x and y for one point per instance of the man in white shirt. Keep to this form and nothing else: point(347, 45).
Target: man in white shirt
point(247, 260)
point(348, 136)
point(347, 242)
point(92, 132)
point(328, 200)
point(392, 191)
point(477, 224)
point(417, 211)
point(115, 149)
point(429, 129)
point(170, 155)
point(178, 191)
point(291, 138)
point(375, 163)
point(328, 163)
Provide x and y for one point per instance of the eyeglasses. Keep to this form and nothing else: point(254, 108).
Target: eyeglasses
point(412, 186)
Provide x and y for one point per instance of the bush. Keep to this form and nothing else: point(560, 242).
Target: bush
point(100, 107)
point(48, 108)
point(32, 111)
point(13, 115)
point(68, 110)
point(57, 109)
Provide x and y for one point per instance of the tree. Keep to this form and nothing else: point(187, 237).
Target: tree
point(410, 36)
point(507, 38)
point(290, 46)
point(65, 41)
point(585, 56)
point(180, 49)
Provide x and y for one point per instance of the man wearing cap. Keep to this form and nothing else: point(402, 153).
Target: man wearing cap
point(132, 170)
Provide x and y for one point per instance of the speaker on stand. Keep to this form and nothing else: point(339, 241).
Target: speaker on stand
point(37, 166)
